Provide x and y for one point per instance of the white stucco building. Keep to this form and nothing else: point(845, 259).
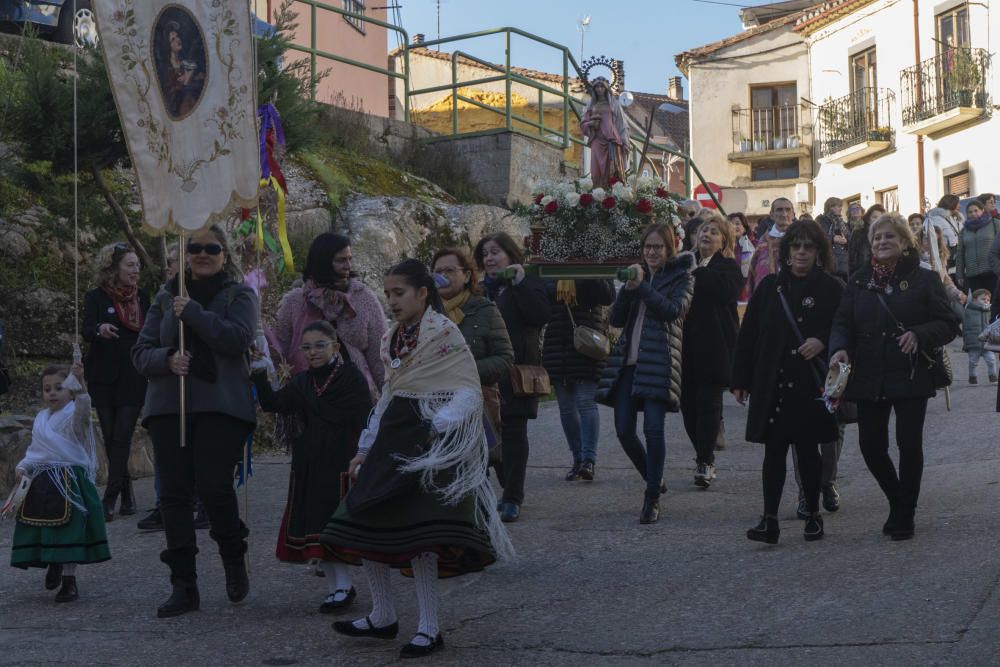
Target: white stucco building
point(893, 101)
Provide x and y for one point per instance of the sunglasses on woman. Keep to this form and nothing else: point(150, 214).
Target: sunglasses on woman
point(207, 248)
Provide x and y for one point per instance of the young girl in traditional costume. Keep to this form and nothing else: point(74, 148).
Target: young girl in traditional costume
point(332, 398)
point(421, 501)
point(61, 522)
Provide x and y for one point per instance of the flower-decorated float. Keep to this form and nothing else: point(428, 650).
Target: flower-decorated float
point(582, 231)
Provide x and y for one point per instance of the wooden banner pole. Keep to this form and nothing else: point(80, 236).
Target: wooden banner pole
point(182, 291)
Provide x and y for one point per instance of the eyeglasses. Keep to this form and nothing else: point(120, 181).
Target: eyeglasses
point(319, 347)
point(802, 245)
point(207, 248)
point(452, 270)
point(654, 247)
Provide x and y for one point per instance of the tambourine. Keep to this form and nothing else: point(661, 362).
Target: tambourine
point(15, 499)
point(836, 380)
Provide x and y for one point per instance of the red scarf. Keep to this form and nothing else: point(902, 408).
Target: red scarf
point(882, 274)
point(126, 301)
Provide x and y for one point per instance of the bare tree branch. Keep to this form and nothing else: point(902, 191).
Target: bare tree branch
point(122, 219)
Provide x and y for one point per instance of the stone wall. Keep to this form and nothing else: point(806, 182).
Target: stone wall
point(389, 134)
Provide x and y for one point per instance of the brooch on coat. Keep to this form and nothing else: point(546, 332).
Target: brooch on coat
point(808, 302)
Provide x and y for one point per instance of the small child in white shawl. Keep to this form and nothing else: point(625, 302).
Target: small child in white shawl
point(60, 523)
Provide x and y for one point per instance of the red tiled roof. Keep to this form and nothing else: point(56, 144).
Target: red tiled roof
point(813, 19)
point(684, 58)
point(671, 126)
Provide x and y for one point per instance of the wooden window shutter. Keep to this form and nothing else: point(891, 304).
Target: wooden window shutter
point(958, 184)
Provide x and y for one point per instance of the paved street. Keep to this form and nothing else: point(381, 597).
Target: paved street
point(592, 586)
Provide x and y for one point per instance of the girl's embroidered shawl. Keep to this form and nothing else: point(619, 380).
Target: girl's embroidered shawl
point(440, 374)
point(60, 440)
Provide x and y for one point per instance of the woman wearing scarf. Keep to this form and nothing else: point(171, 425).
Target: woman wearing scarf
point(778, 368)
point(332, 293)
point(765, 259)
point(574, 376)
point(893, 315)
point(972, 260)
point(525, 308)
point(421, 500)
point(480, 322)
point(219, 315)
point(113, 315)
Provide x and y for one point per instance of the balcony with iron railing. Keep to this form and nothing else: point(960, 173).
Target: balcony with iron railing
point(768, 134)
point(856, 126)
point(947, 90)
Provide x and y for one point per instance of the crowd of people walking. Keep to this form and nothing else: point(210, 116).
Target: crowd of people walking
point(395, 426)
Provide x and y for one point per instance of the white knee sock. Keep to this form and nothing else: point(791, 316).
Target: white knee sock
point(425, 575)
point(383, 609)
point(338, 576)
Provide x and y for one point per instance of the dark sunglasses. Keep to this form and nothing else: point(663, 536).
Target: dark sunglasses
point(207, 248)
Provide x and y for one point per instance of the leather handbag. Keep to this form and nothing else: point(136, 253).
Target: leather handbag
point(589, 341)
point(938, 361)
point(529, 381)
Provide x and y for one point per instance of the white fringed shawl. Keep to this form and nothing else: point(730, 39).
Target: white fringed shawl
point(60, 440)
point(440, 374)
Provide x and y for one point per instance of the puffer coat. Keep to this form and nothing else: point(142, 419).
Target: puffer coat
point(880, 370)
point(667, 295)
point(560, 358)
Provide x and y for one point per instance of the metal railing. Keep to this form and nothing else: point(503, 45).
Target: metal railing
point(863, 116)
point(766, 128)
point(958, 77)
point(571, 108)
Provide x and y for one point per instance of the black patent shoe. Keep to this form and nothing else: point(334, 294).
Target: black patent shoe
point(831, 498)
point(574, 472)
point(412, 650)
point(766, 531)
point(802, 511)
point(183, 599)
point(348, 628)
point(814, 528)
point(237, 579)
point(68, 592)
point(332, 605)
point(650, 509)
point(53, 576)
point(587, 471)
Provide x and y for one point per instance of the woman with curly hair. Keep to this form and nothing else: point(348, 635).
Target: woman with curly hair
point(113, 314)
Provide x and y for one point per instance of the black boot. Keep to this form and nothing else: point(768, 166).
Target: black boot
point(766, 531)
point(68, 592)
point(890, 523)
point(237, 579)
point(814, 527)
point(904, 527)
point(650, 508)
point(183, 599)
point(108, 505)
point(53, 576)
point(128, 499)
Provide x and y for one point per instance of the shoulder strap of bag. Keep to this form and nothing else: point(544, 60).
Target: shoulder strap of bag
point(817, 366)
point(892, 316)
point(569, 311)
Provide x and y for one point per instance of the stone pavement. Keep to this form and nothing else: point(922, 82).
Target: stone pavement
point(592, 586)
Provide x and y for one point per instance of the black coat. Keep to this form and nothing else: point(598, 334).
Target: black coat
point(111, 376)
point(525, 310)
point(559, 357)
point(859, 250)
point(784, 388)
point(713, 323)
point(836, 226)
point(667, 296)
point(880, 370)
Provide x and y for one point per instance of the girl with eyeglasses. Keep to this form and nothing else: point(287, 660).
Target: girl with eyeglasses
point(219, 315)
point(644, 370)
point(778, 367)
point(113, 315)
point(332, 397)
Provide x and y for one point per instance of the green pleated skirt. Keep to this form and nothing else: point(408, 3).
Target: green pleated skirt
point(82, 540)
point(397, 530)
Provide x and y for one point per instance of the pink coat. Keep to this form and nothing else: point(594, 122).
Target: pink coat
point(358, 318)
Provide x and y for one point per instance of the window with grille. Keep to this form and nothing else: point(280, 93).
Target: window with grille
point(889, 198)
point(953, 29)
point(355, 7)
point(957, 183)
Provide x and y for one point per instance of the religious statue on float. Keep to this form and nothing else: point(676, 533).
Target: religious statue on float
point(603, 123)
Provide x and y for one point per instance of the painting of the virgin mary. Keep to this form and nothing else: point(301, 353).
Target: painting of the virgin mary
point(179, 50)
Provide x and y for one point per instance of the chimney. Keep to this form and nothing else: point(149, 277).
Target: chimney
point(675, 89)
point(418, 38)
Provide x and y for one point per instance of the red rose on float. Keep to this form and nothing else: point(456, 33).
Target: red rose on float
point(662, 193)
point(551, 207)
point(539, 197)
point(609, 202)
point(613, 180)
point(644, 206)
point(586, 199)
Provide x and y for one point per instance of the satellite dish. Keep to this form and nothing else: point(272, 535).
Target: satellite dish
point(626, 99)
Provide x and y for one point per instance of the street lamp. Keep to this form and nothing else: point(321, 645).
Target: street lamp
point(582, 24)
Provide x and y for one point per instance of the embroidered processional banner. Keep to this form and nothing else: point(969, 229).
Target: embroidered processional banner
point(183, 78)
